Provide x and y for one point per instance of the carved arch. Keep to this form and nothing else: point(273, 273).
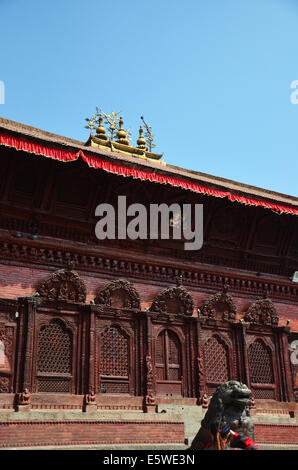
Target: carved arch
point(117, 325)
point(63, 285)
point(172, 328)
point(267, 341)
point(176, 300)
point(220, 306)
point(44, 321)
point(262, 312)
point(119, 293)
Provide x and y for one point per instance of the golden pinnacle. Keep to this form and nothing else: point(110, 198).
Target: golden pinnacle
point(100, 130)
point(141, 140)
point(122, 134)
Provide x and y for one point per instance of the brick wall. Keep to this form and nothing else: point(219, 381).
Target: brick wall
point(35, 433)
point(277, 434)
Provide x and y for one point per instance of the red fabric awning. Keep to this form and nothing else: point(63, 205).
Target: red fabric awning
point(124, 170)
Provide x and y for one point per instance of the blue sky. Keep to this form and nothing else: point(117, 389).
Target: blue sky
point(211, 77)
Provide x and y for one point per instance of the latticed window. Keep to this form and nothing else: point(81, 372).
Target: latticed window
point(216, 361)
point(55, 349)
point(260, 364)
point(114, 356)
point(168, 356)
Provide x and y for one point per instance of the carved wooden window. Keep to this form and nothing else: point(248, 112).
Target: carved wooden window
point(260, 363)
point(114, 359)
point(168, 356)
point(216, 361)
point(54, 362)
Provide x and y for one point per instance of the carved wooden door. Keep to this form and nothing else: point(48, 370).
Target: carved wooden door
point(168, 364)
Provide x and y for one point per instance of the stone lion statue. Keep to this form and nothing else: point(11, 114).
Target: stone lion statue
point(230, 404)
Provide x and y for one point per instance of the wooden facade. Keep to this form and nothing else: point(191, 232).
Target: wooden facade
point(137, 318)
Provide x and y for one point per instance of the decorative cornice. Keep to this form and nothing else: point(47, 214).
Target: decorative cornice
point(17, 253)
point(212, 254)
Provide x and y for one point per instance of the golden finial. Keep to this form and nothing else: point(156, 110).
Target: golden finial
point(100, 130)
point(91, 123)
point(111, 121)
point(110, 134)
point(122, 134)
point(148, 134)
point(141, 140)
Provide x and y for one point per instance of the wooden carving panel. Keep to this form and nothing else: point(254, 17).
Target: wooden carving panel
point(64, 285)
point(220, 306)
point(176, 300)
point(262, 312)
point(119, 294)
point(7, 353)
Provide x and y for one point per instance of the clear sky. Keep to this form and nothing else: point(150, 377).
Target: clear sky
point(212, 77)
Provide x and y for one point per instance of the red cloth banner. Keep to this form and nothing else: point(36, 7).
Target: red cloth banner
point(123, 170)
point(32, 147)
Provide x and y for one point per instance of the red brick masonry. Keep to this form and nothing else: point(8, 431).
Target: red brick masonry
point(41, 433)
point(279, 434)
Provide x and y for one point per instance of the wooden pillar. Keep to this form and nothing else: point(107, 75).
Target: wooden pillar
point(91, 378)
point(202, 383)
point(21, 331)
point(141, 342)
point(193, 354)
point(150, 397)
point(29, 305)
point(243, 342)
point(286, 388)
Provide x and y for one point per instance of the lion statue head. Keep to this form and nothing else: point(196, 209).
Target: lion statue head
point(230, 404)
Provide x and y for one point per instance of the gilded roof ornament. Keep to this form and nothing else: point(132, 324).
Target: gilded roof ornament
point(122, 134)
point(100, 130)
point(112, 120)
point(114, 137)
point(149, 136)
point(91, 123)
point(141, 141)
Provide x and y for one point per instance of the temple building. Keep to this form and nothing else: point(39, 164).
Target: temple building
point(98, 326)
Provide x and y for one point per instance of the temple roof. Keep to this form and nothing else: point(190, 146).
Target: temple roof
point(220, 187)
